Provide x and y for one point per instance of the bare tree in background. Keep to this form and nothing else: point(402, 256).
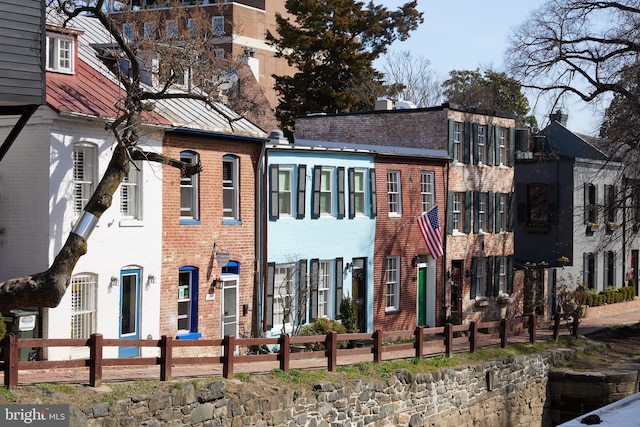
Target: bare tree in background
point(171, 59)
point(409, 77)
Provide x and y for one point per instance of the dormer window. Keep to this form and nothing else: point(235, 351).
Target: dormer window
point(60, 52)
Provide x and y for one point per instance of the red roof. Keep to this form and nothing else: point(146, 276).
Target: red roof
point(90, 93)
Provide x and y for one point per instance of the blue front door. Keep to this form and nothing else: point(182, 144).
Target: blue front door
point(129, 311)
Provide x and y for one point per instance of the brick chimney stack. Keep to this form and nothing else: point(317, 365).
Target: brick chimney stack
point(559, 117)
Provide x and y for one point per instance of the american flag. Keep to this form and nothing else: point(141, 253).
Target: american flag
point(429, 223)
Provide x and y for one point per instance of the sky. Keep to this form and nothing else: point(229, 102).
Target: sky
point(472, 34)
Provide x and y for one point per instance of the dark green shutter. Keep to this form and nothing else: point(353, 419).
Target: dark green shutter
point(450, 212)
point(490, 144)
point(374, 199)
point(271, 267)
point(490, 209)
point(302, 191)
point(474, 273)
point(339, 285)
point(475, 143)
point(274, 210)
point(352, 192)
point(476, 211)
point(467, 143)
point(467, 212)
point(496, 275)
point(315, 204)
point(489, 277)
point(510, 274)
point(340, 192)
point(313, 295)
point(512, 147)
point(303, 292)
point(496, 145)
point(510, 210)
point(452, 124)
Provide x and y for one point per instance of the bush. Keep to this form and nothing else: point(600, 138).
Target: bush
point(349, 315)
point(321, 326)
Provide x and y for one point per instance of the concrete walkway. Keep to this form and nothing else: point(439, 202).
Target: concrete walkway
point(129, 373)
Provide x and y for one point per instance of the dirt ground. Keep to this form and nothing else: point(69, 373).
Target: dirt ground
point(621, 349)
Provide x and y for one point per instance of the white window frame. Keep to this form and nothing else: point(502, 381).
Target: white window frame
point(502, 276)
point(217, 25)
point(191, 212)
point(83, 305)
point(502, 146)
point(325, 279)
point(392, 281)
point(456, 210)
point(359, 191)
point(128, 31)
point(483, 203)
point(85, 173)
point(501, 210)
point(326, 192)
point(426, 190)
point(285, 191)
point(480, 279)
point(482, 144)
point(131, 192)
point(231, 189)
point(60, 53)
point(457, 142)
point(284, 294)
point(394, 193)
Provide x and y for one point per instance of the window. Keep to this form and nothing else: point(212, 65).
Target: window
point(501, 212)
point(84, 174)
point(589, 270)
point(230, 190)
point(538, 203)
point(479, 277)
point(458, 203)
point(393, 193)
point(285, 199)
point(481, 153)
point(501, 274)
point(610, 203)
point(324, 288)
point(189, 196)
point(393, 284)
point(610, 269)
point(128, 31)
point(483, 207)
point(172, 28)
point(501, 152)
point(217, 25)
point(426, 190)
point(191, 26)
point(326, 192)
point(459, 210)
point(150, 30)
point(284, 294)
point(130, 189)
point(457, 142)
point(590, 204)
point(83, 305)
point(187, 300)
point(60, 53)
point(358, 207)
point(219, 53)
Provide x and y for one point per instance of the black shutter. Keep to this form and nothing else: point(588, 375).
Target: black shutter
point(452, 124)
point(274, 210)
point(340, 192)
point(467, 142)
point(303, 292)
point(271, 270)
point(313, 297)
point(474, 271)
point(302, 191)
point(352, 193)
point(490, 214)
point(512, 147)
point(476, 212)
point(467, 212)
point(510, 274)
point(510, 210)
point(490, 144)
point(496, 275)
point(475, 143)
point(315, 204)
point(374, 199)
point(489, 277)
point(450, 212)
point(339, 284)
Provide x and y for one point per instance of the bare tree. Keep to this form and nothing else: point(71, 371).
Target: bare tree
point(150, 65)
point(410, 77)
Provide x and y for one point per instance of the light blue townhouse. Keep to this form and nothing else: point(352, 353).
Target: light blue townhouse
point(320, 228)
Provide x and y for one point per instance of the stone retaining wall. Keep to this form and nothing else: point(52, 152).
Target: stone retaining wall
point(492, 394)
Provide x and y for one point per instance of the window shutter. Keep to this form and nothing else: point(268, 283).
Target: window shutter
point(474, 269)
point(512, 147)
point(271, 270)
point(476, 211)
point(303, 292)
point(467, 212)
point(340, 192)
point(302, 191)
point(450, 212)
point(510, 210)
point(467, 142)
point(496, 275)
point(510, 274)
point(595, 271)
point(313, 295)
point(452, 124)
point(522, 195)
point(585, 202)
point(490, 209)
point(275, 207)
point(374, 200)
point(352, 193)
point(315, 204)
point(496, 145)
point(339, 278)
point(475, 143)
point(490, 144)
point(489, 277)
point(497, 226)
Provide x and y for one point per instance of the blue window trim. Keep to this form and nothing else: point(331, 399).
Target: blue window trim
point(231, 222)
point(193, 321)
point(232, 267)
point(189, 221)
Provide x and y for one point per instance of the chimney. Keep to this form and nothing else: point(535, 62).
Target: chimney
point(383, 104)
point(559, 117)
point(277, 137)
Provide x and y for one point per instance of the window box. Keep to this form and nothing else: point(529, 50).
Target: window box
point(482, 302)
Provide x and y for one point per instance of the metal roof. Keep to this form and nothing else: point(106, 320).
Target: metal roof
point(372, 149)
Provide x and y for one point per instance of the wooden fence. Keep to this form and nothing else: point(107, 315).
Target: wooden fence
point(423, 342)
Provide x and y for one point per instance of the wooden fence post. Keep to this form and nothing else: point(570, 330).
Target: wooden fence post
point(95, 360)
point(166, 357)
point(377, 346)
point(473, 337)
point(10, 349)
point(419, 341)
point(229, 349)
point(448, 339)
point(332, 351)
point(556, 326)
point(285, 352)
point(533, 326)
point(503, 333)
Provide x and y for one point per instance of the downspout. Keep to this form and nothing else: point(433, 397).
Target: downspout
point(260, 264)
point(445, 211)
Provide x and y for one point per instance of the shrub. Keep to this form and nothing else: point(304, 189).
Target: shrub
point(349, 315)
point(321, 326)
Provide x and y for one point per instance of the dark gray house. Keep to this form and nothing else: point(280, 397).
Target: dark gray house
point(22, 62)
